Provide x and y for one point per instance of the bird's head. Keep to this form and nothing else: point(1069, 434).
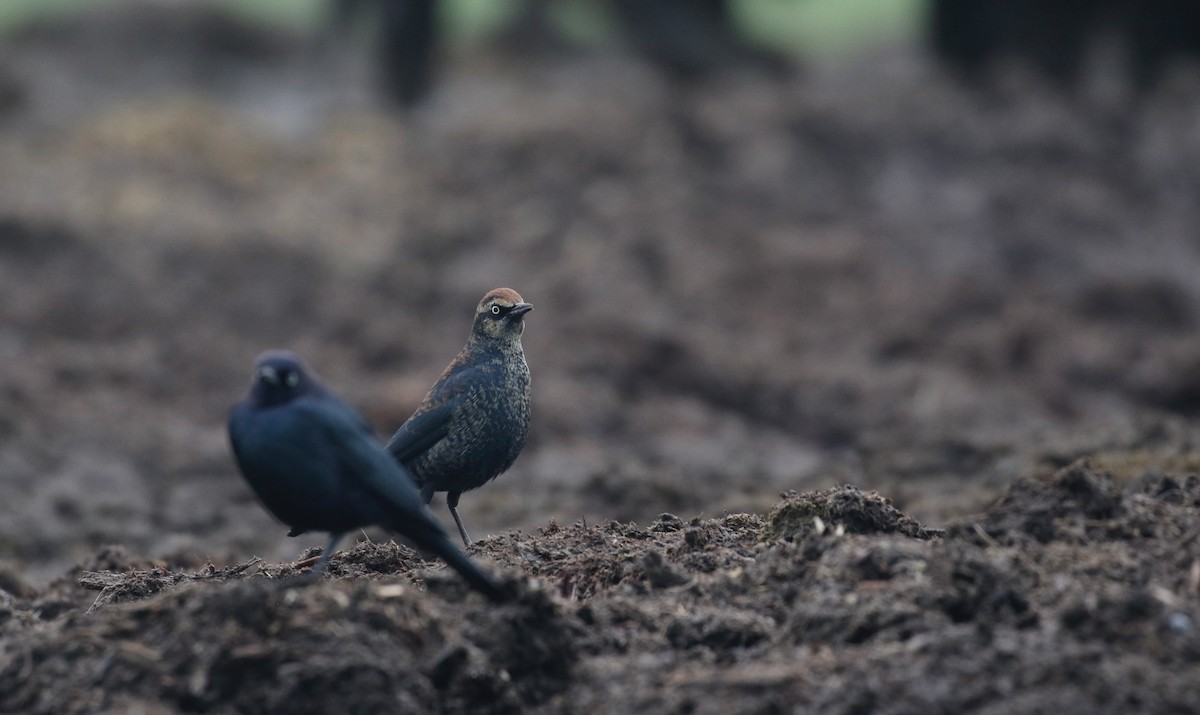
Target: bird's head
point(280, 377)
point(500, 316)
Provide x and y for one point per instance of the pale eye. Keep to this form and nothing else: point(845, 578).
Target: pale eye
point(495, 310)
point(292, 379)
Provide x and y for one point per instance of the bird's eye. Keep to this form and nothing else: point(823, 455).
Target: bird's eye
point(495, 310)
point(292, 379)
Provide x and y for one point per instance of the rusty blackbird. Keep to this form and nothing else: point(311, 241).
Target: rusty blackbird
point(316, 465)
point(473, 423)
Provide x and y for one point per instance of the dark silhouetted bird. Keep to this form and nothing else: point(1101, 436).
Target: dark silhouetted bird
point(473, 423)
point(315, 464)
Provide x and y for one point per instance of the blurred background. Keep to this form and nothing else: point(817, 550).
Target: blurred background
point(920, 246)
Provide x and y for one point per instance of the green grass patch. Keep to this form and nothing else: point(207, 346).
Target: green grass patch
point(816, 27)
point(14, 13)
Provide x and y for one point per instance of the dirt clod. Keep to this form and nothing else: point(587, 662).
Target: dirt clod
point(842, 509)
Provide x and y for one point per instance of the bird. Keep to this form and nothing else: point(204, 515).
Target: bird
point(316, 465)
point(473, 422)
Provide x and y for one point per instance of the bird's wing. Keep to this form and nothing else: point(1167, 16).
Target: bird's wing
point(368, 467)
point(431, 421)
point(362, 462)
point(421, 431)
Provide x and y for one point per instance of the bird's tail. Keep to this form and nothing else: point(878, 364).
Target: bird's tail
point(441, 546)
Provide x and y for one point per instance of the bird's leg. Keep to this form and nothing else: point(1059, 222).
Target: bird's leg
point(315, 573)
point(427, 491)
point(452, 502)
point(329, 550)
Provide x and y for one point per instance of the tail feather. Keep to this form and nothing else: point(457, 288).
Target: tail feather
point(440, 545)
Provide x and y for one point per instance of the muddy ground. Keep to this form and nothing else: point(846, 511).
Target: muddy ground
point(957, 327)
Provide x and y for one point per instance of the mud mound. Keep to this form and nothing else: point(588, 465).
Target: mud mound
point(1084, 504)
point(255, 646)
point(701, 616)
point(844, 509)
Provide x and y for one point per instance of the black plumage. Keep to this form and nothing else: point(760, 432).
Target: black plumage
point(316, 465)
point(473, 423)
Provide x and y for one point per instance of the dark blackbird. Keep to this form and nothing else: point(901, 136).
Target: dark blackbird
point(315, 464)
point(473, 423)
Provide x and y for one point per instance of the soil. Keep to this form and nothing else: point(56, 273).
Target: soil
point(855, 391)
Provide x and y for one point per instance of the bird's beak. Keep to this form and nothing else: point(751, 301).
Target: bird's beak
point(521, 308)
point(268, 373)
